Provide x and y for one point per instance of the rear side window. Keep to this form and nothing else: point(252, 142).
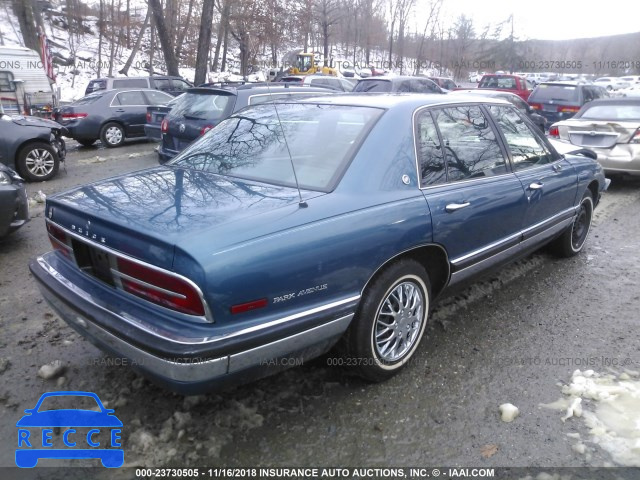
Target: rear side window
point(373, 86)
point(430, 156)
point(157, 98)
point(204, 106)
point(470, 144)
point(555, 93)
point(526, 148)
point(130, 83)
point(130, 98)
point(95, 85)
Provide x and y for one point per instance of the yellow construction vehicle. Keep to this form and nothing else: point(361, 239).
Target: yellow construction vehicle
point(305, 64)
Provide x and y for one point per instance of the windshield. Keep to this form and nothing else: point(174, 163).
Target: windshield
point(373, 86)
point(204, 106)
point(612, 112)
point(560, 93)
point(250, 145)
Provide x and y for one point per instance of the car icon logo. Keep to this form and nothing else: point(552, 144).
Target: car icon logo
point(182, 128)
point(89, 432)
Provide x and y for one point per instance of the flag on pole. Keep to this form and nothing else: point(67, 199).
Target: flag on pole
point(47, 62)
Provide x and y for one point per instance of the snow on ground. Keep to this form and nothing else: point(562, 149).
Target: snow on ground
point(609, 405)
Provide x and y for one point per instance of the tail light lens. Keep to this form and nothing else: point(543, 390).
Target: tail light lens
point(74, 116)
point(205, 129)
point(159, 287)
point(636, 137)
point(567, 109)
point(536, 106)
point(148, 117)
point(554, 131)
point(59, 240)
point(164, 126)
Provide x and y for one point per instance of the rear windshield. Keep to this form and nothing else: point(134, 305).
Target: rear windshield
point(204, 106)
point(559, 93)
point(612, 112)
point(255, 144)
point(373, 86)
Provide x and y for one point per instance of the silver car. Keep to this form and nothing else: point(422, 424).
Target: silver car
point(611, 128)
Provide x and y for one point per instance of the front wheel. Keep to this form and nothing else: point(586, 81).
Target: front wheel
point(572, 241)
point(390, 321)
point(38, 162)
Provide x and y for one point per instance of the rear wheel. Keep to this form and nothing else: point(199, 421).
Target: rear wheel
point(572, 241)
point(112, 134)
point(37, 162)
point(390, 321)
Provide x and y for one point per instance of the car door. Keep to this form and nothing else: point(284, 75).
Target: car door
point(549, 181)
point(130, 108)
point(476, 202)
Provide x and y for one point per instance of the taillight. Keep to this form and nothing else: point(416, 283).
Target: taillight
point(73, 116)
point(159, 287)
point(205, 129)
point(554, 131)
point(536, 106)
point(636, 137)
point(59, 240)
point(148, 117)
point(164, 126)
point(567, 109)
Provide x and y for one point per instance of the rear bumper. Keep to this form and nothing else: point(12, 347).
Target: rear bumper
point(14, 208)
point(192, 365)
point(153, 132)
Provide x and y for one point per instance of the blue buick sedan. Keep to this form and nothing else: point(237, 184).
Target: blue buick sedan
point(291, 226)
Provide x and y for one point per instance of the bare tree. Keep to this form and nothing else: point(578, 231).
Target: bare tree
point(204, 41)
point(26, 13)
point(164, 35)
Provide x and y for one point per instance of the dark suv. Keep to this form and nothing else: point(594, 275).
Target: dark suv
point(202, 108)
point(171, 85)
point(561, 100)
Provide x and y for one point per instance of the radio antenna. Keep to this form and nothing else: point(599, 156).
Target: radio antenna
point(301, 202)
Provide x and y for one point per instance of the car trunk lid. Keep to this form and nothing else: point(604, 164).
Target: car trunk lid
point(597, 133)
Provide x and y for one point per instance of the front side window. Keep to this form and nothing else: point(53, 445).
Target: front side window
point(527, 150)
point(157, 98)
point(470, 145)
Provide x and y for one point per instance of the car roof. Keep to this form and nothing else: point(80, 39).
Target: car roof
point(262, 87)
point(489, 92)
point(392, 78)
point(391, 100)
point(566, 83)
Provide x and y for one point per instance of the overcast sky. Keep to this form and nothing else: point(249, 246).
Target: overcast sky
point(553, 19)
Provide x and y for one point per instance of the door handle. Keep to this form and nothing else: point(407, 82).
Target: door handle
point(536, 185)
point(452, 207)
point(557, 167)
point(120, 110)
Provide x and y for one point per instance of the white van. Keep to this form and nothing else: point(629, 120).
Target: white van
point(24, 85)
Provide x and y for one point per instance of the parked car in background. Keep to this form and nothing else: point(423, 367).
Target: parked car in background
point(281, 231)
point(109, 115)
point(632, 91)
point(33, 146)
point(397, 84)
point(508, 83)
point(155, 115)
point(611, 83)
point(611, 128)
point(533, 78)
point(14, 208)
point(327, 81)
point(561, 100)
point(631, 80)
point(445, 82)
point(203, 108)
point(171, 85)
point(475, 77)
point(537, 119)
